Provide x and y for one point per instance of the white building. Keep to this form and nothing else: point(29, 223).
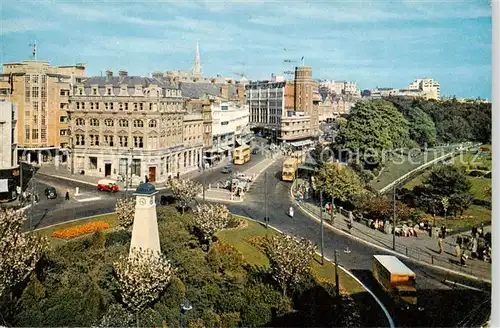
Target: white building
point(341, 87)
point(8, 135)
point(229, 125)
point(429, 87)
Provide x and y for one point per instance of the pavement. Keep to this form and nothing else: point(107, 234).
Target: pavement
point(422, 248)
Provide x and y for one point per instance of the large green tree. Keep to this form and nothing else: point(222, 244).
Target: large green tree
point(338, 181)
point(447, 181)
point(374, 125)
point(422, 127)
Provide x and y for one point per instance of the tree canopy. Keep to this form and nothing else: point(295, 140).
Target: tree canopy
point(374, 125)
point(422, 127)
point(339, 181)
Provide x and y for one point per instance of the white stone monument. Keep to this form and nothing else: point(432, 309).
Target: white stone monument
point(145, 229)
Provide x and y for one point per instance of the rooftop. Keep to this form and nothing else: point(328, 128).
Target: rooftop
point(393, 264)
point(145, 189)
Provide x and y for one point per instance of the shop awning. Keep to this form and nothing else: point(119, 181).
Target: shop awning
point(301, 143)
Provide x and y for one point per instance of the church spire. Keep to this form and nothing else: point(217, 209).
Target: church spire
point(197, 62)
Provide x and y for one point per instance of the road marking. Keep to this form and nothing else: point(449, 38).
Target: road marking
point(454, 283)
point(88, 199)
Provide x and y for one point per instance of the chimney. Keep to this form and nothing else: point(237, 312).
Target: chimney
point(122, 73)
point(224, 91)
point(109, 75)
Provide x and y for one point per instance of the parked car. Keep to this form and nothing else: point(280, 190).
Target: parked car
point(51, 193)
point(227, 169)
point(243, 177)
point(107, 185)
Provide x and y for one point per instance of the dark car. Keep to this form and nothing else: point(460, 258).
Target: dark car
point(51, 193)
point(255, 151)
point(227, 169)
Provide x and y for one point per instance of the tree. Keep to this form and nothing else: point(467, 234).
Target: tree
point(338, 181)
point(422, 128)
point(374, 125)
point(184, 191)
point(211, 218)
point(383, 208)
point(125, 208)
point(20, 252)
point(290, 259)
point(142, 277)
point(447, 181)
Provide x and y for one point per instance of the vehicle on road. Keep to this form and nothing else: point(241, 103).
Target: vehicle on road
point(50, 193)
point(107, 185)
point(397, 280)
point(226, 169)
point(290, 211)
point(241, 155)
point(243, 177)
point(290, 166)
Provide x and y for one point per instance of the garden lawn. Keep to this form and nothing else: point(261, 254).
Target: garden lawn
point(111, 219)
point(239, 239)
point(393, 171)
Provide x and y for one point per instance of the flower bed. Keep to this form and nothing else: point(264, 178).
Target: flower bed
point(80, 230)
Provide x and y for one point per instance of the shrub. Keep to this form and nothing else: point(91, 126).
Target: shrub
point(118, 237)
point(80, 230)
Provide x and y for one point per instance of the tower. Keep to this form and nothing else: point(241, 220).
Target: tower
point(197, 62)
point(145, 230)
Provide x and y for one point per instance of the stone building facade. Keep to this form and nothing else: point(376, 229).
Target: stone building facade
point(41, 93)
point(132, 126)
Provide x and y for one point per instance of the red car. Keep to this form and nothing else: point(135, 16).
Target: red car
point(107, 185)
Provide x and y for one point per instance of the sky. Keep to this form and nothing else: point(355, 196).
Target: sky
point(375, 43)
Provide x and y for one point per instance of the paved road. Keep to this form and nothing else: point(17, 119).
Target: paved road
point(444, 305)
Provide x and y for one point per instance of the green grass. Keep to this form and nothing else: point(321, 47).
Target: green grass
point(254, 256)
point(394, 169)
point(479, 215)
point(111, 219)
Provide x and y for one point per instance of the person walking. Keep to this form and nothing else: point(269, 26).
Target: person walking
point(67, 194)
point(440, 244)
point(458, 251)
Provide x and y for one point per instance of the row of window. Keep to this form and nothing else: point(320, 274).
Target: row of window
point(124, 106)
point(121, 123)
point(137, 90)
point(117, 141)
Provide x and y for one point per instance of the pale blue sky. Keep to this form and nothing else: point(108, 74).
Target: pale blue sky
point(375, 43)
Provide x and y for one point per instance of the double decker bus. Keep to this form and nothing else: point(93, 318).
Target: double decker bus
point(290, 166)
point(241, 155)
point(300, 156)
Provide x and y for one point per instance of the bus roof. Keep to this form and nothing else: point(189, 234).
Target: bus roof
point(290, 160)
point(393, 264)
point(242, 147)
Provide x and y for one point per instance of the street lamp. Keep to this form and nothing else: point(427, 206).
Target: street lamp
point(184, 308)
point(445, 202)
point(126, 171)
point(322, 228)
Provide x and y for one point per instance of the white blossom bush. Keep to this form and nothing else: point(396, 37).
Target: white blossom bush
point(211, 218)
point(125, 209)
point(142, 277)
point(19, 252)
point(289, 258)
point(184, 190)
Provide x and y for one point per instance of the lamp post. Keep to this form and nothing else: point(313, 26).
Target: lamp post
point(337, 285)
point(445, 202)
point(266, 218)
point(184, 308)
point(394, 219)
point(126, 171)
point(322, 227)
point(30, 222)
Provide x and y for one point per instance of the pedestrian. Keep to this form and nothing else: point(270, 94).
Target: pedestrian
point(443, 232)
point(67, 194)
point(146, 180)
point(440, 245)
point(458, 251)
point(474, 231)
point(474, 247)
point(178, 175)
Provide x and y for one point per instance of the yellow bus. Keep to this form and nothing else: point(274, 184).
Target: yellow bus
point(290, 166)
point(242, 155)
point(299, 156)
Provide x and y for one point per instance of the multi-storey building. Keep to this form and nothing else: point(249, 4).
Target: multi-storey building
point(283, 110)
point(41, 93)
point(429, 88)
point(9, 168)
point(341, 87)
point(228, 129)
point(122, 122)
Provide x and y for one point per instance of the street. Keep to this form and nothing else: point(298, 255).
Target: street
point(433, 293)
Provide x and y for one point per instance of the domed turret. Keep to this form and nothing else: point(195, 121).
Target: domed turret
point(145, 189)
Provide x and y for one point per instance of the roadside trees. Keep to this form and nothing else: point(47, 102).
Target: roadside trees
point(211, 218)
point(184, 191)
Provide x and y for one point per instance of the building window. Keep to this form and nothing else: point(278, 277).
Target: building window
point(106, 107)
point(122, 166)
point(108, 141)
point(97, 106)
point(63, 119)
point(120, 106)
point(135, 107)
point(111, 106)
point(136, 167)
point(152, 123)
point(123, 123)
point(108, 92)
point(94, 139)
point(62, 132)
point(123, 140)
point(92, 106)
point(224, 123)
point(94, 91)
point(138, 124)
point(153, 143)
point(109, 122)
point(80, 122)
point(80, 140)
point(141, 106)
point(150, 106)
point(80, 91)
point(126, 106)
point(138, 142)
point(223, 107)
point(34, 133)
point(94, 122)
point(77, 105)
point(83, 105)
point(27, 132)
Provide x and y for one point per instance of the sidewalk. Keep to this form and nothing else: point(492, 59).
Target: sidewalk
point(62, 172)
point(422, 248)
